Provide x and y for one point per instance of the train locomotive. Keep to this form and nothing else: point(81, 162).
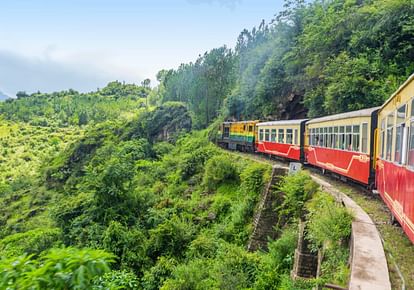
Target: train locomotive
point(373, 147)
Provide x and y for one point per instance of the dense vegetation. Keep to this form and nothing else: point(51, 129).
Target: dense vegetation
point(71, 108)
point(321, 57)
point(112, 190)
point(141, 203)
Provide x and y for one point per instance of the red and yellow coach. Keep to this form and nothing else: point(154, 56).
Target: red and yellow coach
point(343, 144)
point(395, 155)
point(282, 138)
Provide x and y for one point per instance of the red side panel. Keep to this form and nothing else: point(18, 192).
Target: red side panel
point(396, 185)
point(350, 164)
point(283, 150)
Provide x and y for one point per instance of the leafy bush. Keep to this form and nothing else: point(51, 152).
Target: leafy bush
point(31, 242)
point(66, 268)
point(219, 169)
point(328, 222)
point(154, 278)
point(116, 280)
point(329, 227)
point(297, 188)
point(279, 260)
point(171, 237)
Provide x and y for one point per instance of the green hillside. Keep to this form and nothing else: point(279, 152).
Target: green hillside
point(122, 188)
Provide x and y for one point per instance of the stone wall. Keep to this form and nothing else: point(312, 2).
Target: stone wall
point(265, 217)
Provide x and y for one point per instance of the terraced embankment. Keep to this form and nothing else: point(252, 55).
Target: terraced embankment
point(399, 251)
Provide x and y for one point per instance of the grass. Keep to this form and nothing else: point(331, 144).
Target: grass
point(23, 147)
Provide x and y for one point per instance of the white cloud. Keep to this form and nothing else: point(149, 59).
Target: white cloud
point(58, 70)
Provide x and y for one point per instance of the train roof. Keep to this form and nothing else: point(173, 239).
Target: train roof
point(353, 114)
point(409, 80)
point(241, 122)
point(282, 122)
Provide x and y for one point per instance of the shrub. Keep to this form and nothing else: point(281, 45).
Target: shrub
point(253, 178)
point(66, 268)
point(219, 169)
point(278, 261)
point(119, 280)
point(30, 242)
point(155, 277)
point(297, 189)
point(170, 237)
point(328, 221)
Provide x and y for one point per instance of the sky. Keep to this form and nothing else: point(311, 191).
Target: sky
point(52, 45)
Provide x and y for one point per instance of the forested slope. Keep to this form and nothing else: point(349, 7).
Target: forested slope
point(112, 190)
point(313, 58)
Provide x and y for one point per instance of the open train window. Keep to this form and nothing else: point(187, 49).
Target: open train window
point(342, 137)
point(355, 138)
point(321, 137)
point(348, 138)
point(335, 138)
point(314, 135)
point(273, 135)
point(281, 136)
point(399, 134)
point(261, 134)
point(289, 136)
point(250, 128)
point(267, 135)
point(410, 155)
point(226, 132)
point(390, 133)
point(382, 139)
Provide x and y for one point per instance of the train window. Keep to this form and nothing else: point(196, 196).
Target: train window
point(401, 114)
point(329, 138)
point(295, 137)
point(244, 127)
point(226, 133)
point(398, 143)
point(348, 138)
point(250, 128)
point(261, 134)
point(410, 158)
point(382, 138)
point(342, 137)
point(364, 144)
point(281, 136)
point(310, 136)
point(390, 133)
point(289, 136)
point(325, 137)
point(412, 108)
point(399, 131)
point(335, 138)
point(321, 137)
point(273, 135)
point(355, 138)
point(267, 137)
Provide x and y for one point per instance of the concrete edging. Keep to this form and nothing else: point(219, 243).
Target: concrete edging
point(369, 269)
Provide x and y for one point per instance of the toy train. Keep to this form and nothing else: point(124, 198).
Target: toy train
point(374, 147)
